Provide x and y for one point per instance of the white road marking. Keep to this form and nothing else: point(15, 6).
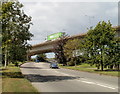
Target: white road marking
point(105, 86)
point(83, 79)
point(95, 83)
point(89, 82)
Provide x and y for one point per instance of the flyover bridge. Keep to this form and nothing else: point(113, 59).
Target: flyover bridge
point(48, 46)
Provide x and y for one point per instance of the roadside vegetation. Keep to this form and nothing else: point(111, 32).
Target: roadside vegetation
point(15, 32)
point(59, 49)
point(98, 51)
point(99, 48)
point(15, 35)
point(13, 81)
point(92, 69)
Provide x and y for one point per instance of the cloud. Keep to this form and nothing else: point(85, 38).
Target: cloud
point(71, 1)
point(112, 12)
point(72, 17)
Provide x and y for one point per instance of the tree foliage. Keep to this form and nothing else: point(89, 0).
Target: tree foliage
point(114, 56)
point(100, 47)
point(41, 57)
point(72, 50)
point(15, 31)
point(59, 49)
point(98, 43)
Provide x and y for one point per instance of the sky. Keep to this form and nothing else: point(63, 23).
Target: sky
point(72, 17)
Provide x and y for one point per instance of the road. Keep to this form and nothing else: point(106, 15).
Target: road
point(66, 80)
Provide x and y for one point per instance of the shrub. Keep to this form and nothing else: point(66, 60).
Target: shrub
point(18, 63)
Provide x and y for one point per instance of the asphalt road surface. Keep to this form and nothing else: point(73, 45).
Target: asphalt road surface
point(46, 79)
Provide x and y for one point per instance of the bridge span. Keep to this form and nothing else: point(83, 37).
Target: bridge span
point(48, 46)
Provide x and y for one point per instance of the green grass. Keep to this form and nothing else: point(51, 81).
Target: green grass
point(92, 69)
point(14, 81)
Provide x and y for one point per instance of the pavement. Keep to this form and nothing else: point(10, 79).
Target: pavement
point(46, 79)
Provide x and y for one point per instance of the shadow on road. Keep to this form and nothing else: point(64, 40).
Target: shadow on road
point(49, 78)
point(30, 67)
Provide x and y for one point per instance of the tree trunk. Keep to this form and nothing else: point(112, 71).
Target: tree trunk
point(102, 67)
point(5, 58)
point(75, 64)
point(98, 67)
point(102, 58)
point(111, 66)
point(74, 60)
point(118, 67)
point(67, 64)
point(102, 63)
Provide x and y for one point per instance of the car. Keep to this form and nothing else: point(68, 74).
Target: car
point(54, 65)
point(37, 60)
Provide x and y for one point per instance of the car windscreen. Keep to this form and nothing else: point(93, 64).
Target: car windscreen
point(54, 64)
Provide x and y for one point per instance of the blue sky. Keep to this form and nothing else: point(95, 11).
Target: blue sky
point(72, 17)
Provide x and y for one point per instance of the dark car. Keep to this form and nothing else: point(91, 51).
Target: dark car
point(54, 65)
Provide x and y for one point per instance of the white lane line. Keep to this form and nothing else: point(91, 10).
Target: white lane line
point(106, 86)
point(85, 80)
point(88, 82)
point(95, 83)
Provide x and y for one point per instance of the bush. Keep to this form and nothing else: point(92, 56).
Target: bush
point(18, 63)
point(70, 63)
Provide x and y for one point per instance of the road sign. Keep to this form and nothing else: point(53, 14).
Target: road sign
point(54, 36)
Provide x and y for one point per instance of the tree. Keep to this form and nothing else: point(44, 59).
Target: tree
point(41, 57)
point(97, 43)
point(73, 52)
point(59, 49)
point(15, 31)
point(114, 56)
point(116, 49)
point(117, 52)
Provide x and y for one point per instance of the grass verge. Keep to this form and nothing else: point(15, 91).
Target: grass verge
point(13, 81)
point(92, 69)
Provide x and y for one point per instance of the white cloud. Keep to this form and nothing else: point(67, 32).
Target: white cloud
point(71, 1)
point(112, 12)
point(51, 17)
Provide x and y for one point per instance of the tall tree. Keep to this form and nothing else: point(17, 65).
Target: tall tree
point(15, 31)
point(114, 56)
point(72, 51)
point(41, 57)
point(59, 49)
point(98, 41)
